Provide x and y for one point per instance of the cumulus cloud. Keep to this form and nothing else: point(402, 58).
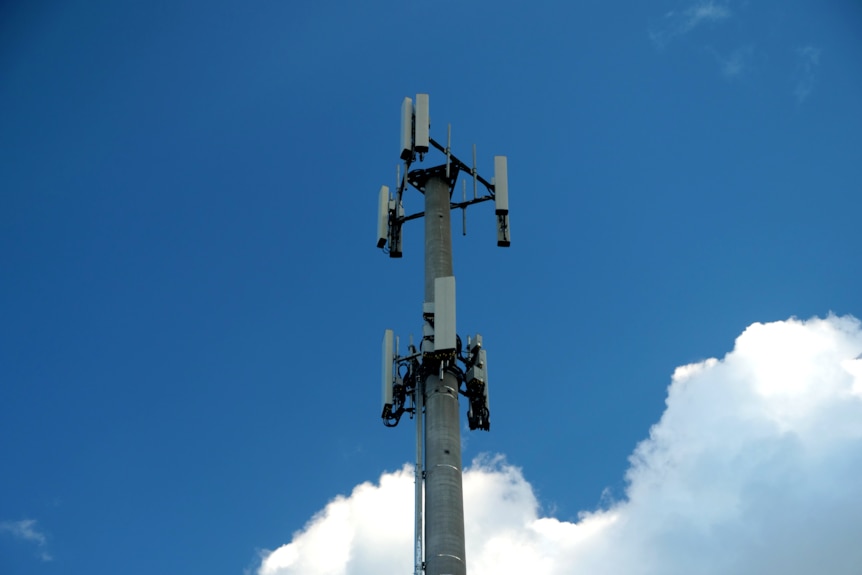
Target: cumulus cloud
point(678, 22)
point(808, 60)
point(26, 530)
point(354, 534)
point(753, 468)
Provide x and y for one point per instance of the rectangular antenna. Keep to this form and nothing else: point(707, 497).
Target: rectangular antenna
point(383, 216)
point(501, 200)
point(423, 124)
point(407, 129)
point(388, 360)
point(501, 185)
point(444, 313)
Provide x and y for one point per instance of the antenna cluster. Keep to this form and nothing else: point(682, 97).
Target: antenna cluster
point(416, 142)
point(402, 376)
point(440, 352)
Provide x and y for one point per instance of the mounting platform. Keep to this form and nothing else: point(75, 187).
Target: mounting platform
point(418, 178)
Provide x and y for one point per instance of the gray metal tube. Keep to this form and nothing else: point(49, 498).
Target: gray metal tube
point(444, 496)
point(438, 234)
point(419, 404)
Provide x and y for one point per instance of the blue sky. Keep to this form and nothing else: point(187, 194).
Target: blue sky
point(192, 304)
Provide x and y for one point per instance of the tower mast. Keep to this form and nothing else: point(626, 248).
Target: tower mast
point(444, 502)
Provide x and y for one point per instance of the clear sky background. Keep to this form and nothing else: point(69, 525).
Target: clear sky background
point(191, 303)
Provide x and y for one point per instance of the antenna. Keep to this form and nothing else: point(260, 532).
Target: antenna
point(501, 185)
point(423, 124)
point(444, 314)
point(428, 381)
point(383, 216)
point(501, 200)
point(407, 129)
point(396, 216)
point(478, 416)
point(388, 357)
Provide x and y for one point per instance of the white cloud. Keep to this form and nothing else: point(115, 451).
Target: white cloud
point(753, 468)
point(354, 534)
point(676, 23)
point(704, 11)
point(808, 60)
point(26, 531)
point(736, 63)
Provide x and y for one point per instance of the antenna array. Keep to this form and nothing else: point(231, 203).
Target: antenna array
point(415, 142)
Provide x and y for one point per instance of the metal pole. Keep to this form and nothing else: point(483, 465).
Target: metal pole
point(444, 498)
point(418, 480)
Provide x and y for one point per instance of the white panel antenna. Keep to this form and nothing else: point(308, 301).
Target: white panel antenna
point(444, 313)
point(423, 124)
point(388, 362)
point(383, 216)
point(407, 129)
point(501, 200)
point(501, 185)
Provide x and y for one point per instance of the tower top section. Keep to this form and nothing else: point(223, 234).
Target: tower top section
point(415, 143)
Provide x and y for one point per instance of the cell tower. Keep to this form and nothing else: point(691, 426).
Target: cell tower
point(427, 382)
